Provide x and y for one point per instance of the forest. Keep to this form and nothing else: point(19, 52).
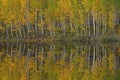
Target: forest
point(53, 19)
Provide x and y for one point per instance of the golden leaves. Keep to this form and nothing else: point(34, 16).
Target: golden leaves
point(32, 17)
point(111, 19)
point(23, 3)
point(111, 61)
point(4, 2)
point(65, 7)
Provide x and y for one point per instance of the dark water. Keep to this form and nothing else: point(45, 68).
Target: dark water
point(20, 61)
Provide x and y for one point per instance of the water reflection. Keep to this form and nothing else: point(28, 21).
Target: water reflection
point(59, 62)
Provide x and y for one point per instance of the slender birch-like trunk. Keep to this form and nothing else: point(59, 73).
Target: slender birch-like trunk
point(94, 56)
point(71, 27)
point(89, 27)
point(36, 23)
point(8, 36)
point(42, 27)
point(94, 26)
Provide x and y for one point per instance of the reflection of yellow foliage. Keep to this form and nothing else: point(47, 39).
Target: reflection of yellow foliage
point(1, 53)
point(111, 63)
point(118, 50)
point(87, 75)
point(65, 74)
point(32, 64)
point(4, 78)
point(96, 70)
point(118, 30)
point(23, 76)
point(18, 67)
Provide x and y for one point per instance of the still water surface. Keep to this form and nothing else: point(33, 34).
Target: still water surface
point(59, 62)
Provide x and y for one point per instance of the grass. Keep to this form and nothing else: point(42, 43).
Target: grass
point(110, 39)
point(71, 39)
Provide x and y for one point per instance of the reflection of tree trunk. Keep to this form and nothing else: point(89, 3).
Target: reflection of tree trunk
point(42, 56)
point(118, 62)
point(100, 55)
point(115, 60)
point(64, 51)
point(89, 56)
point(36, 57)
point(11, 51)
point(7, 47)
point(71, 55)
point(97, 52)
point(94, 52)
point(39, 49)
point(77, 50)
point(53, 56)
point(27, 63)
point(23, 51)
point(51, 48)
point(36, 23)
point(20, 49)
point(104, 54)
point(51, 51)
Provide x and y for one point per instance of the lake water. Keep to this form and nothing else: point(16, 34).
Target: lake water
point(36, 61)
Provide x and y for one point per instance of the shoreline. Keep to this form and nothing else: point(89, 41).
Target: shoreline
point(80, 39)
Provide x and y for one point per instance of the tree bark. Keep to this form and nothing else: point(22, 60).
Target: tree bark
point(94, 26)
